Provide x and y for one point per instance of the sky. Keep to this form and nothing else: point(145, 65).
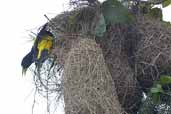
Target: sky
point(17, 18)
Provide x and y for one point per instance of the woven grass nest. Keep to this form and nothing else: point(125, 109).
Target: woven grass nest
point(131, 57)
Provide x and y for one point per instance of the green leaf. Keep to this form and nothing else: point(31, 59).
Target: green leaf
point(156, 97)
point(114, 12)
point(165, 80)
point(157, 89)
point(166, 3)
point(154, 90)
point(156, 13)
point(100, 27)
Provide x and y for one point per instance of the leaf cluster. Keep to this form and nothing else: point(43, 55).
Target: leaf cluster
point(160, 88)
point(113, 12)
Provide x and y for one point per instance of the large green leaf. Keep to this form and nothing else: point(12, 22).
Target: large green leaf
point(100, 27)
point(165, 80)
point(156, 97)
point(157, 89)
point(166, 3)
point(114, 12)
point(154, 90)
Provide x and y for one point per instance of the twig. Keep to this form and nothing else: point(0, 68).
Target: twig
point(47, 17)
point(34, 101)
point(33, 33)
point(52, 23)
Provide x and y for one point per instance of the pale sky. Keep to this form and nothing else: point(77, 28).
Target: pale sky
point(17, 17)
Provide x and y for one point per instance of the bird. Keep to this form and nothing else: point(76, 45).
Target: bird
point(43, 44)
point(40, 49)
point(27, 61)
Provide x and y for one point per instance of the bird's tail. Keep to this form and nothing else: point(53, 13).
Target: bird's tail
point(24, 70)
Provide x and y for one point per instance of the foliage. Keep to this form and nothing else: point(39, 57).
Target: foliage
point(114, 12)
point(101, 26)
point(165, 80)
point(155, 13)
point(166, 3)
point(157, 90)
point(158, 99)
point(118, 48)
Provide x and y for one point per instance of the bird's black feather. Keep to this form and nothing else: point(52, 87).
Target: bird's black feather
point(27, 60)
point(32, 55)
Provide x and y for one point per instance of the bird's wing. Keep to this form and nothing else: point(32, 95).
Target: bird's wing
point(27, 61)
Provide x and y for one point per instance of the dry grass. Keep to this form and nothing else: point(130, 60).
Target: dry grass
point(126, 60)
point(118, 47)
point(89, 88)
point(153, 51)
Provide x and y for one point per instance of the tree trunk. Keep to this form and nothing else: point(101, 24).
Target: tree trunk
point(88, 85)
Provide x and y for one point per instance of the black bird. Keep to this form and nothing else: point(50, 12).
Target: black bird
point(40, 49)
point(27, 61)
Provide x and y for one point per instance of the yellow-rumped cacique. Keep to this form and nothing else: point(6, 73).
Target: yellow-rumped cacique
point(40, 49)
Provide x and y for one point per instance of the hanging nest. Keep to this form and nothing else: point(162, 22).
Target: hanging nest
point(89, 87)
point(68, 31)
point(118, 50)
point(134, 56)
point(66, 28)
